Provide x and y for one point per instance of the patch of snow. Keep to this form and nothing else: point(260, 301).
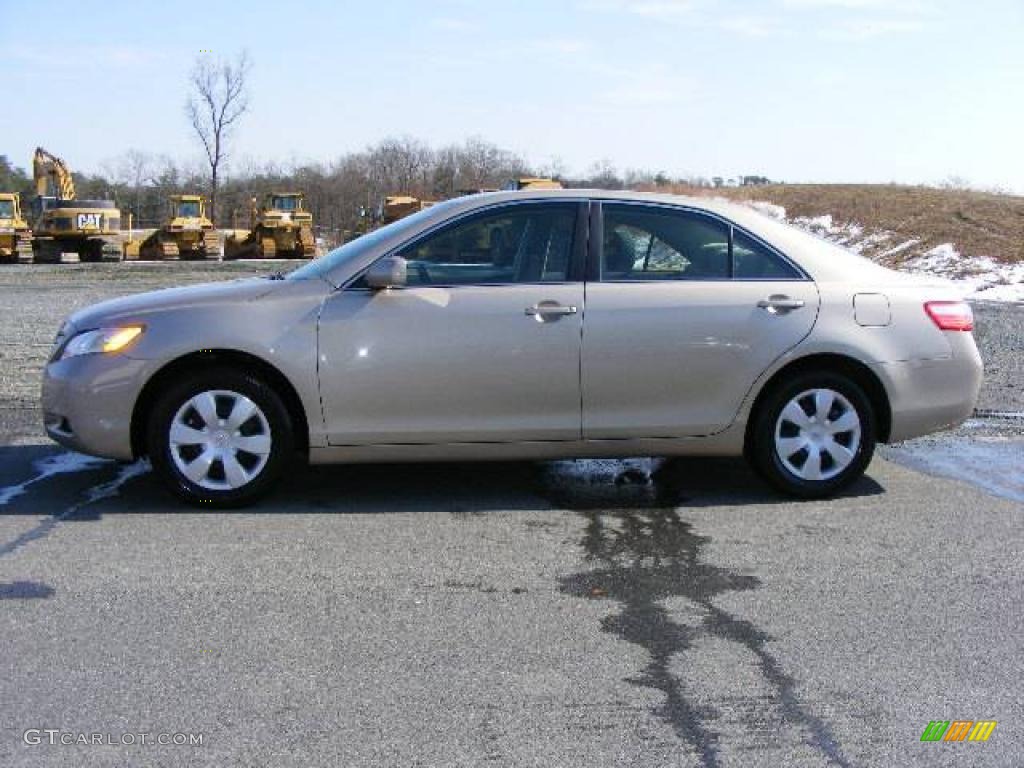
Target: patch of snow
point(819, 225)
point(978, 277)
point(850, 235)
point(873, 240)
point(1013, 292)
point(943, 260)
point(900, 248)
point(113, 487)
point(992, 464)
point(58, 464)
point(769, 209)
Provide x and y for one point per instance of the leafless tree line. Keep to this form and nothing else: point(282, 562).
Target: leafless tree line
point(339, 192)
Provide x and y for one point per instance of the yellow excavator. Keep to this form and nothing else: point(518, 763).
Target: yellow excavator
point(185, 234)
point(15, 233)
point(66, 229)
point(281, 229)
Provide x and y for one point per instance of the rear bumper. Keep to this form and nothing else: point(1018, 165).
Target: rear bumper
point(88, 402)
point(931, 395)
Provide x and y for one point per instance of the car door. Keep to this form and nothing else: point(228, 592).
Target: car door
point(481, 345)
point(684, 312)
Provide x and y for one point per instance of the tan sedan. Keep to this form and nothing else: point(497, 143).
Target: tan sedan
point(524, 325)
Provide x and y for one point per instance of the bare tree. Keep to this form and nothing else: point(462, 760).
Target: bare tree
point(133, 171)
point(218, 101)
point(602, 175)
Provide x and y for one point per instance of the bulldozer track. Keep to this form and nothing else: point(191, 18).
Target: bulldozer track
point(23, 250)
point(211, 245)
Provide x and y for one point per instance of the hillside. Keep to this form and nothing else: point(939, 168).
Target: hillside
point(976, 223)
point(976, 238)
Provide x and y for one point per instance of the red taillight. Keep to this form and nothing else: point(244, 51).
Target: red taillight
point(950, 315)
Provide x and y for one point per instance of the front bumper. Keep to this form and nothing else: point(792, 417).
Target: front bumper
point(88, 402)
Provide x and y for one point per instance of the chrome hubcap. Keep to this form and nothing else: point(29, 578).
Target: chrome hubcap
point(817, 434)
point(220, 440)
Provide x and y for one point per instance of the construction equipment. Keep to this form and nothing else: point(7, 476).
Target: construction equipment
point(281, 229)
point(397, 207)
point(533, 182)
point(15, 234)
point(185, 234)
point(66, 229)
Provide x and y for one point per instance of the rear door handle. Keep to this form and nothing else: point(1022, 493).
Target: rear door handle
point(539, 310)
point(777, 303)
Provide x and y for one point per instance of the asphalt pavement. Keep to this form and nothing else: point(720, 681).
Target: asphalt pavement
point(590, 613)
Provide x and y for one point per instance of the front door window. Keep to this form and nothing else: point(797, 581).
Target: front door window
point(520, 244)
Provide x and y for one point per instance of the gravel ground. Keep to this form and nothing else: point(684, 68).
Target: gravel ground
point(1000, 335)
point(38, 297)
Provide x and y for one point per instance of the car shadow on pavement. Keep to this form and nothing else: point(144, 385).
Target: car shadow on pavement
point(44, 480)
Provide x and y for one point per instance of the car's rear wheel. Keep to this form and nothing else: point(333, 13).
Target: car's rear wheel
point(813, 435)
point(219, 438)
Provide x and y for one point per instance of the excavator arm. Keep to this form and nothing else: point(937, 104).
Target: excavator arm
point(52, 176)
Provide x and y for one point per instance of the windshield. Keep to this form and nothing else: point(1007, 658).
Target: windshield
point(188, 210)
point(284, 203)
point(6, 209)
point(355, 248)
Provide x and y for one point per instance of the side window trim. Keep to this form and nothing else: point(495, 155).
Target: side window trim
point(577, 258)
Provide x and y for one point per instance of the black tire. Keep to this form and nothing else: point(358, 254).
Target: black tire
point(765, 456)
point(174, 397)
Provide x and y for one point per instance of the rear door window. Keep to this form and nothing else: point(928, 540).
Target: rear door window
point(647, 243)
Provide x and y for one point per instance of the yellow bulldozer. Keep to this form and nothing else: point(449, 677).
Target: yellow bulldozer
point(66, 229)
point(281, 229)
point(533, 182)
point(186, 233)
point(15, 233)
point(397, 207)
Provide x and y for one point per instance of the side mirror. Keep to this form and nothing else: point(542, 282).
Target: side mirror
point(389, 272)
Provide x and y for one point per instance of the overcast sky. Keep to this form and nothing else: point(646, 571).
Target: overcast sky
point(798, 90)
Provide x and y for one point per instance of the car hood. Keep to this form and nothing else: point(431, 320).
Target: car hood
point(139, 305)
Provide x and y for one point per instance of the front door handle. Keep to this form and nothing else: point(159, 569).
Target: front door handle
point(539, 310)
point(779, 303)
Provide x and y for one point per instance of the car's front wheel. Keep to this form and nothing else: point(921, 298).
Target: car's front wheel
point(219, 437)
point(813, 435)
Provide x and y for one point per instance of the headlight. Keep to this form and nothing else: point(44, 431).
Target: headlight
point(101, 340)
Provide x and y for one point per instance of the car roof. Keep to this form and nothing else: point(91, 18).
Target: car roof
point(707, 203)
point(738, 213)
